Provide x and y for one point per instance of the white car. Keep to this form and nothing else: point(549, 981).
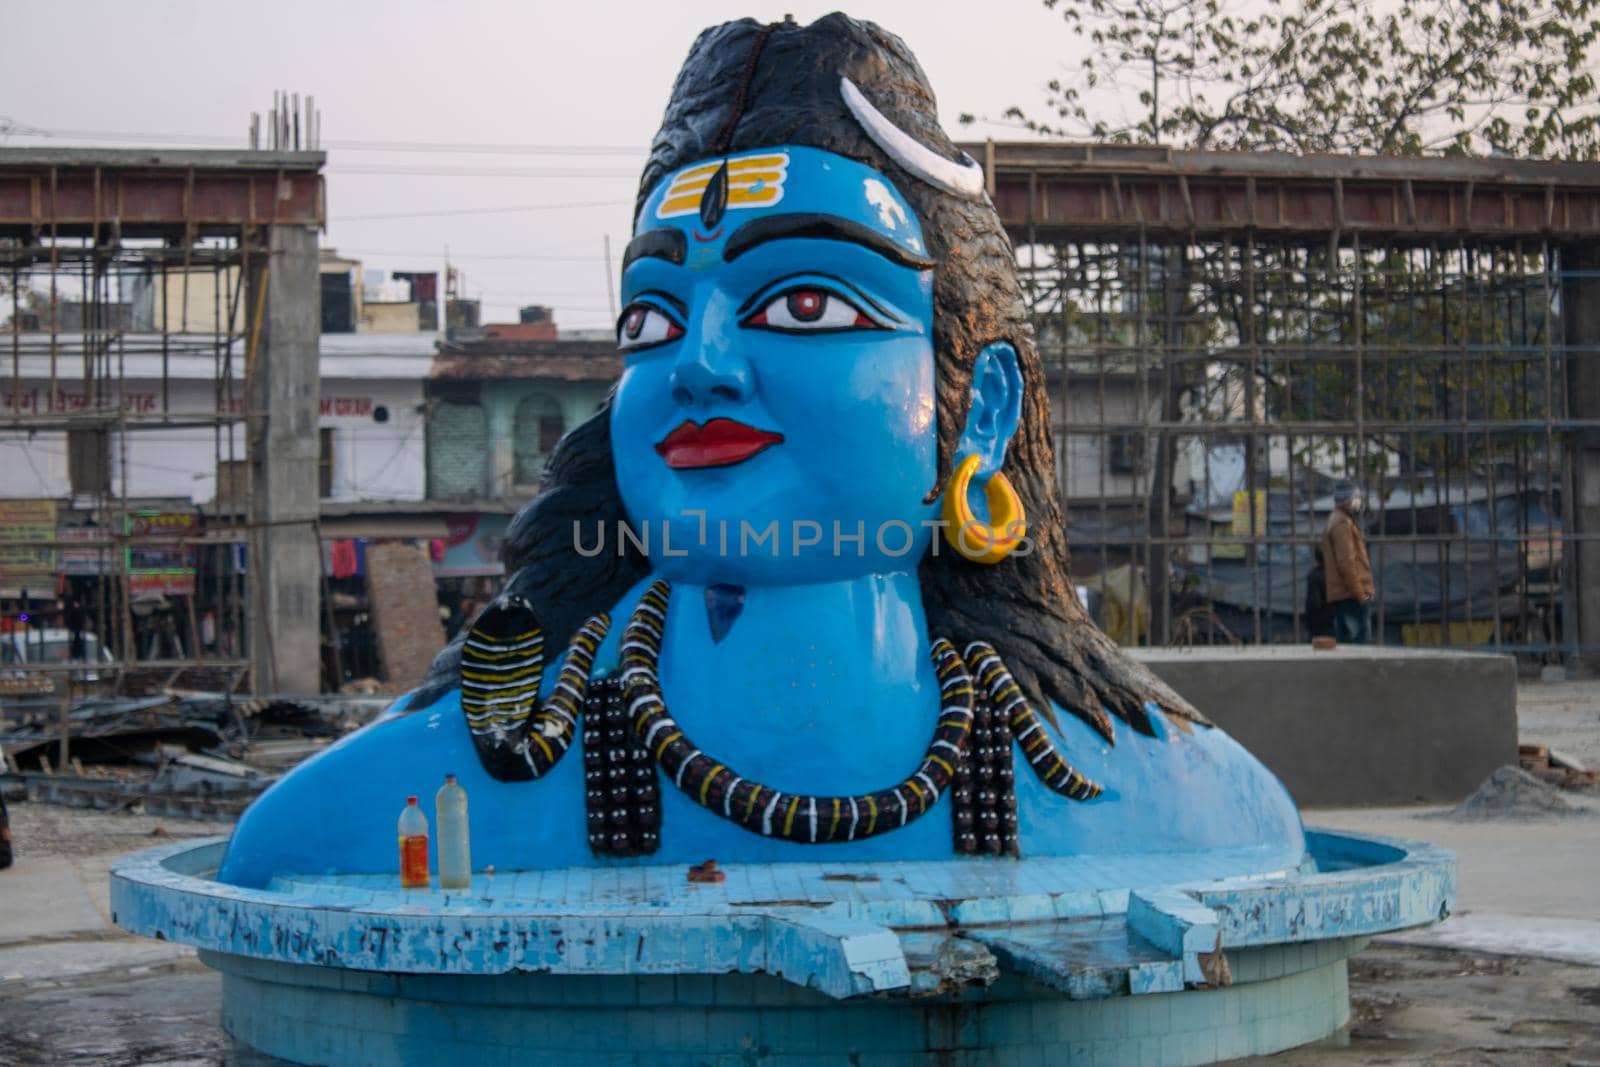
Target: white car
point(55, 646)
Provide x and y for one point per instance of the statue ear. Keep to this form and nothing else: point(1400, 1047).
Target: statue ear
point(996, 407)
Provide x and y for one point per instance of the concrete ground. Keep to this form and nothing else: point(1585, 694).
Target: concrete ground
point(1512, 979)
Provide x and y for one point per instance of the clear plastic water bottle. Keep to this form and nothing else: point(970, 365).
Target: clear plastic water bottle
point(413, 846)
point(455, 855)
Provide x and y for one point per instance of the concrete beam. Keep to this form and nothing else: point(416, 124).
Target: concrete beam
point(220, 158)
point(105, 194)
point(282, 393)
point(1056, 191)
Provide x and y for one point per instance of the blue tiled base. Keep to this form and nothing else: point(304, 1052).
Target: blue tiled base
point(1090, 960)
point(1283, 996)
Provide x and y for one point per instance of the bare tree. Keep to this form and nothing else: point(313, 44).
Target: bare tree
point(1466, 77)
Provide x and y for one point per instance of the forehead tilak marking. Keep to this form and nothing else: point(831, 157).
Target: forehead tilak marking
point(752, 180)
point(714, 201)
point(834, 198)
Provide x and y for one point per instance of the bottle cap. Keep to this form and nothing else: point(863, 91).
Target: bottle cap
point(449, 777)
point(411, 800)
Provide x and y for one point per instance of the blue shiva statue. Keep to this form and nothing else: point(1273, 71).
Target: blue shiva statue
point(800, 590)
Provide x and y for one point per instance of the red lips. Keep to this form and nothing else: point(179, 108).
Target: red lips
point(718, 443)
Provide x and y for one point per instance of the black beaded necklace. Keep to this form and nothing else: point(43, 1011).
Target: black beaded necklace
point(627, 733)
point(773, 812)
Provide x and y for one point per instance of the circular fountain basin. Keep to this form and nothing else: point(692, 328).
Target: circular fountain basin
point(1085, 960)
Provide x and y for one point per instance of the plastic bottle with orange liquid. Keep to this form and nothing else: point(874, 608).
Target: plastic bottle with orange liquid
point(413, 847)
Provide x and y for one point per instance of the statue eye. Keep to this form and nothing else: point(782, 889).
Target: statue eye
point(644, 325)
point(809, 308)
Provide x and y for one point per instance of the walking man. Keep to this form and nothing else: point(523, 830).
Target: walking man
point(1344, 552)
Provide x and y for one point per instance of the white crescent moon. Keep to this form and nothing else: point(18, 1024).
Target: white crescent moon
point(964, 179)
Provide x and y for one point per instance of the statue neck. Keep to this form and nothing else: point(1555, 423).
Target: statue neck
point(874, 623)
point(824, 680)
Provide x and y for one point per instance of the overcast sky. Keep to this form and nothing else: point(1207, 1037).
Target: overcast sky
point(578, 87)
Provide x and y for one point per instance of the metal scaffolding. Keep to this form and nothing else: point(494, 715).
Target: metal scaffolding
point(133, 288)
point(68, 388)
point(1228, 335)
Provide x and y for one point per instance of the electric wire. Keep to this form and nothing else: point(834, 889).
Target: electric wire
point(507, 209)
point(343, 144)
point(401, 170)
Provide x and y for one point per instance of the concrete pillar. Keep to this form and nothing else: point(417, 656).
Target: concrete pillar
point(1580, 307)
point(500, 405)
point(284, 388)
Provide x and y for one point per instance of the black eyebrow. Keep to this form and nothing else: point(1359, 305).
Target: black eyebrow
point(666, 298)
point(777, 227)
point(665, 243)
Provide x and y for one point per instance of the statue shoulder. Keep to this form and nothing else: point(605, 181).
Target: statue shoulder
point(559, 621)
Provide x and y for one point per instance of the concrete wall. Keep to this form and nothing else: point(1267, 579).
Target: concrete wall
point(375, 460)
point(576, 401)
point(1357, 726)
point(189, 301)
point(388, 318)
point(372, 460)
point(473, 442)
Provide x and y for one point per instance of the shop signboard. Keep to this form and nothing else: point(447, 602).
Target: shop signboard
point(159, 562)
point(27, 556)
point(85, 551)
point(472, 546)
point(1242, 516)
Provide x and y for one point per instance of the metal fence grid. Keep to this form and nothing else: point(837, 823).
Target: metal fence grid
point(1208, 395)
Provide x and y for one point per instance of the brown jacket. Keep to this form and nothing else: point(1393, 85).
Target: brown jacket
point(1344, 554)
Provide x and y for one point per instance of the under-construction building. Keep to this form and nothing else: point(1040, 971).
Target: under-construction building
point(1229, 334)
point(193, 274)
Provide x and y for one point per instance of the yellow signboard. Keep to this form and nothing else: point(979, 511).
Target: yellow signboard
point(27, 533)
point(1241, 513)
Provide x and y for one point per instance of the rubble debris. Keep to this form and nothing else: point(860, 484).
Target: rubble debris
point(1564, 761)
point(102, 730)
point(202, 677)
point(1513, 793)
point(137, 797)
point(34, 685)
point(196, 754)
point(1556, 767)
point(961, 963)
point(190, 772)
point(278, 754)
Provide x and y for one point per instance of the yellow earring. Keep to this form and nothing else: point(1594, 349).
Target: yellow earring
point(1007, 526)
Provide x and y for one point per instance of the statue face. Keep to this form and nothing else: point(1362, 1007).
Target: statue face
point(778, 386)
